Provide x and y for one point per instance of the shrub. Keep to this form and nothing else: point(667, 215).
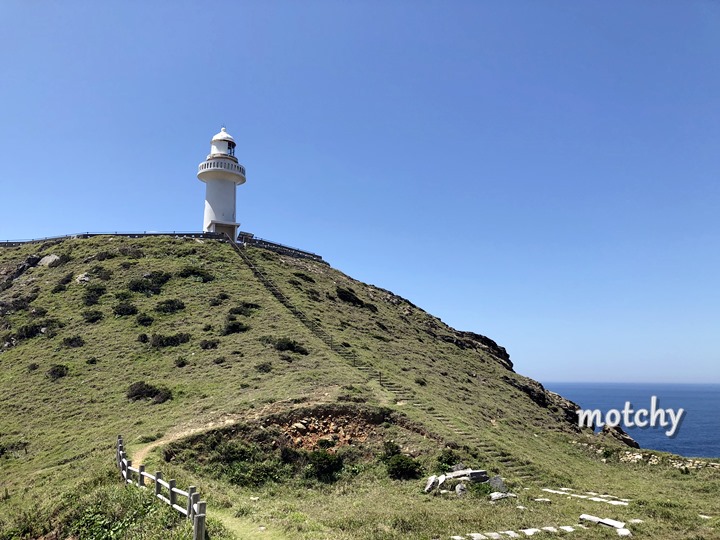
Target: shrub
point(401, 467)
point(103, 255)
point(124, 309)
point(170, 306)
point(143, 338)
point(131, 252)
point(180, 362)
point(122, 296)
point(143, 319)
point(209, 344)
point(195, 272)
point(33, 366)
point(207, 328)
point(66, 279)
point(304, 277)
point(57, 371)
point(349, 296)
point(447, 459)
point(263, 367)
point(101, 272)
point(287, 344)
point(91, 361)
point(58, 289)
point(420, 381)
point(245, 308)
point(235, 327)
point(219, 360)
point(92, 293)
point(158, 340)
point(73, 342)
point(142, 390)
point(150, 283)
point(92, 315)
point(323, 466)
point(38, 312)
point(390, 449)
point(28, 331)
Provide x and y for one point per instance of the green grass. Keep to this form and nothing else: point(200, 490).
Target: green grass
point(59, 434)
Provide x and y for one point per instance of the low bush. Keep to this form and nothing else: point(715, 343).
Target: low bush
point(235, 327)
point(143, 338)
point(125, 309)
point(304, 277)
point(195, 272)
point(263, 367)
point(33, 366)
point(73, 342)
point(219, 360)
point(92, 315)
point(159, 340)
point(323, 466)
point(170, 306)
point(181, 362)
point(142, 390)
point(143, 319)
point(245, 308)
point(101, 272)
point(149, 284)
point(209, 344)
point(92, 293)
point(91, 361)
point(401, 467)
point(28, 331)
point(287, 344)
point(57, 371)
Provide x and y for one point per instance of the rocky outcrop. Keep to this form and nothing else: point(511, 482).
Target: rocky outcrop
point(10, 274)
point(619, 434)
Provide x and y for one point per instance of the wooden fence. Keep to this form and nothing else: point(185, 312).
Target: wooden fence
point(194, 509)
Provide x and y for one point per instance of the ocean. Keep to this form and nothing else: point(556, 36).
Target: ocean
point(699, 432)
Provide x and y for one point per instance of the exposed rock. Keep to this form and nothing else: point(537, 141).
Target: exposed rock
point(619, 434)
point(47, 260)
point(496, 482)
point(496, 496)
point(431, 484)
point(82, 278)
point(461, 490)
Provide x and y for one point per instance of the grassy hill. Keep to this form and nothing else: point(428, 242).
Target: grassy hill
point(282, 390)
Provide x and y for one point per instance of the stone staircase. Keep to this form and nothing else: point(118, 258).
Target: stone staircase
point(511, 466)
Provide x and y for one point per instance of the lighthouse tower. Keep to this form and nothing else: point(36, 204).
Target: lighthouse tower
point(221, 172)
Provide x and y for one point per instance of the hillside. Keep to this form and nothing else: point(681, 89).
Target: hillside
point(245, 347)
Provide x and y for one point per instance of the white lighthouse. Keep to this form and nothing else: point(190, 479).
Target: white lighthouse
point(221, 172)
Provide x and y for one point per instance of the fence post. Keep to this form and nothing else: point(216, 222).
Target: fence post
point(128, 472)
point(141, 478)
point(173, 495)
point(194, 501)
point(191, 492)
point(158, 476)
point(199, 522)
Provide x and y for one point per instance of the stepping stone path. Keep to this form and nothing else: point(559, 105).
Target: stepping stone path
point(590, 496)
point(521, 533)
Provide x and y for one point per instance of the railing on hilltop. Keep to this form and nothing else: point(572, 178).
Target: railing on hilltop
point(136, 476)
point(174, 234)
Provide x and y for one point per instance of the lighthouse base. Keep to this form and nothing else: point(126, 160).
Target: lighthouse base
point(224, 227)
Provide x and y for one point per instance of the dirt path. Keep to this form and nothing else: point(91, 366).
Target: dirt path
point(142, 452)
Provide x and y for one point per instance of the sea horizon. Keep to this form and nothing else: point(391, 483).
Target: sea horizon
point(697, 434)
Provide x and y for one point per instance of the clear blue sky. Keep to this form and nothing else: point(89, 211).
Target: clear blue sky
point(543, 172)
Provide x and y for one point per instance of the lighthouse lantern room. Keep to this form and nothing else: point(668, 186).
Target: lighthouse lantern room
point(221, 173)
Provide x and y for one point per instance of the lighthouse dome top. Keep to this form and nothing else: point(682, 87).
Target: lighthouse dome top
point(223, 136)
